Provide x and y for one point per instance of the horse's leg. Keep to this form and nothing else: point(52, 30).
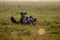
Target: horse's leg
point(14, 21)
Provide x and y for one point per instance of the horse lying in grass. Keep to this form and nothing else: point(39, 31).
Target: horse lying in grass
point(24, 19)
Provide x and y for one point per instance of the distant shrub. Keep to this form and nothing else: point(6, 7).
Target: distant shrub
point(27, 33)
point(21, 29)
point(56, 22)
point(54, 26)
point(54, 32)
point(6, 28)
point(5, 23)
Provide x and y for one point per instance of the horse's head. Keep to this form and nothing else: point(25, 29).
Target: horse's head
point(23, 13)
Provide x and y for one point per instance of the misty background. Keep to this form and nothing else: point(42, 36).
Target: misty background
point(33, 0)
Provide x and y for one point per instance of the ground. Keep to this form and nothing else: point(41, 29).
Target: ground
point(48, 18)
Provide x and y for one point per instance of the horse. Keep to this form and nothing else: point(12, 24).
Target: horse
point(24, 19)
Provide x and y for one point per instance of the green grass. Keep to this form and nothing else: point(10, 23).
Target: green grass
point(47, 14)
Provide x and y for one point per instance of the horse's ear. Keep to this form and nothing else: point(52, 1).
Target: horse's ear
point(35, 20)
point(25, 13)
point(21, 13)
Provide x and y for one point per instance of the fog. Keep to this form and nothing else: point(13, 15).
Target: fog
point(33, 0)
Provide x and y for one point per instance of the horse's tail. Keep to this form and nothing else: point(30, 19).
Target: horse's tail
point(14, 21)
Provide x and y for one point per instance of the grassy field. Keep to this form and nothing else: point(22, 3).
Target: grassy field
point(47, 14)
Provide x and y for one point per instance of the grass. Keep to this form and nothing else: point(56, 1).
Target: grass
point(47, 14)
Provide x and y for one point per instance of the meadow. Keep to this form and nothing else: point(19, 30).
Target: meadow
point(47, 14)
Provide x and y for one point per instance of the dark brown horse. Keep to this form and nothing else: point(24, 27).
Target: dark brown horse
point(23, 19)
